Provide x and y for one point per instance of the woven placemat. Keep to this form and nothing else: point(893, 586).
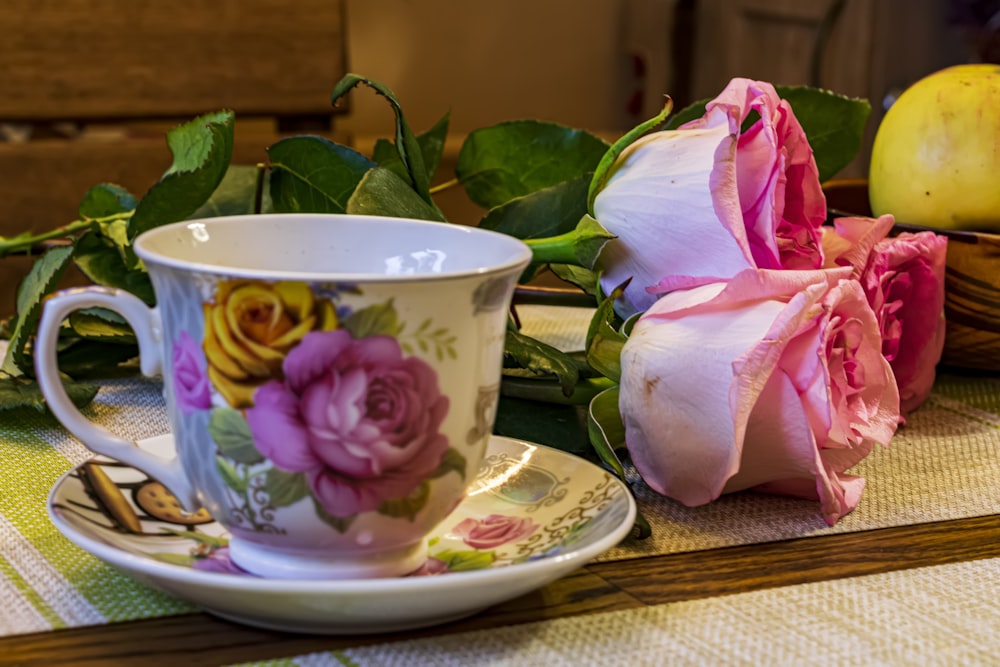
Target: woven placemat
point(943, 465)
point(46, 582)
point(940, 615)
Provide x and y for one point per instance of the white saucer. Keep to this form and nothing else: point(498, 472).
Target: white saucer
point(574, 509)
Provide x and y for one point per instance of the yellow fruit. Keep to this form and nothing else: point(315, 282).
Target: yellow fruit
point(936, 157)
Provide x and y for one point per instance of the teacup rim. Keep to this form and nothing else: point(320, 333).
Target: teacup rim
point(520, 252)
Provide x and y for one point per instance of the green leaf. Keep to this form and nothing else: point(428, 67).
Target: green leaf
point(583, 278)
point(338, 523)
point(408, 507)
point(834, 125)
point(231, 433)
point(17, 392)
point(87, 357)
point(115, 235)
point(202, 149)
point(106, 199)
point(453, 462)
point(546, 212)
point(407, 146)
point(314, 175)
point(515, 158)
point(285, 488)
point(243, 190)
point(561, 426)
point(99, 259)
point(539, 357)
point(606, 430)
point(604, 341)
point(381, 192)
point(42, 278)
point(230, 475)
point(379, 319)
point(431, 147)
point(101, 324)
point(603, 169)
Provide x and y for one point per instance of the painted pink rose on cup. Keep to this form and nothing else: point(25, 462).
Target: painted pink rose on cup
point(356, 416)
point(772, 381)
point(708, 200)
point(190, 379)
point(903, 278)
point(494, 530)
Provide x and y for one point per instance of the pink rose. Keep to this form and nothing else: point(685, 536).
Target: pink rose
point(707, 200)
point(903, 278)
point(773, 381)
point(191, 388)
point(494, 530)
point(359, 419)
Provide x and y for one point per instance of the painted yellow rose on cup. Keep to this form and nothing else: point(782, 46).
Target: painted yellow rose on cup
point(250, 328)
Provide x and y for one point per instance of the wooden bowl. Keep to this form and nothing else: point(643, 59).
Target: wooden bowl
point(971, 282)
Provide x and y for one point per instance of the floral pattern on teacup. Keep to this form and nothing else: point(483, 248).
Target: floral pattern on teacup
point(317, 402)
point(251, 325)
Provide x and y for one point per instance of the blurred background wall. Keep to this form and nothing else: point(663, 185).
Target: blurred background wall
point(605, 65)
point(577, 62)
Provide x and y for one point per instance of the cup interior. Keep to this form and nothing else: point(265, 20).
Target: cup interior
point(330, 247)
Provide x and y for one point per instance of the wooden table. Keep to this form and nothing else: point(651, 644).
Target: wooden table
point(200, 639)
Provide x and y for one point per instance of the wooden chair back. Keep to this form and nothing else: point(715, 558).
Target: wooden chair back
point(88, 89)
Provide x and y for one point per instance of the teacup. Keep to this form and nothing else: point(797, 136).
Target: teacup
point(331, 380)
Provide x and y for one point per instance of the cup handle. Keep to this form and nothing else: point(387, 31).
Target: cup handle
point(145, 321)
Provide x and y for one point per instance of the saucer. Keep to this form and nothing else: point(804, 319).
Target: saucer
point(532, 515)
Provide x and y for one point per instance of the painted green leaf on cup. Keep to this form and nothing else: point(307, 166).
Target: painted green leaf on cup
point(499, 163)
point(427, 338)
point(232, 435)
point(379, 319)
point(453, 462)
point(230, 476)
point(382, 192)
point(314, 175)
point(408, 507)
point(285, 488)
point(338, 523)
point(202, 149)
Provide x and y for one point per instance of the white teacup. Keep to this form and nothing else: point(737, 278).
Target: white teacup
point(331, 380)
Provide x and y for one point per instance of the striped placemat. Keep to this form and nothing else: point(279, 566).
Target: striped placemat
point(942, 466)
point(940, 615)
